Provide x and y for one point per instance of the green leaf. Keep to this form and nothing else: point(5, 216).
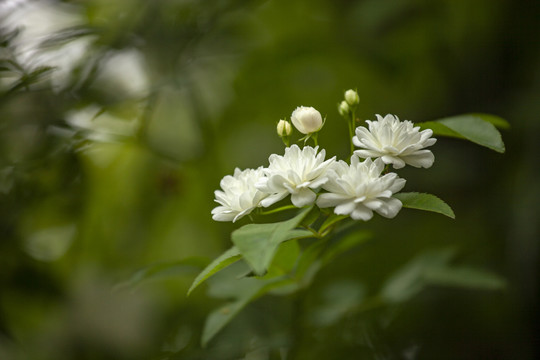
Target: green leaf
point(227, 258)
point(464, 277)
point(258, 243)
point(497, 121)
point(478, 128)
point(427, 202)
point(162, 269)
point(284, 260)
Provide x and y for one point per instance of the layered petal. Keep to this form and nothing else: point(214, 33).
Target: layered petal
point(298, 172)
point(396, 142)
point(239, 196)
point(358, 190)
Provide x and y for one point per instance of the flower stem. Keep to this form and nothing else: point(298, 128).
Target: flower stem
point(351, 124)
point(314, 136)
point(315, 232)
point(283, 208)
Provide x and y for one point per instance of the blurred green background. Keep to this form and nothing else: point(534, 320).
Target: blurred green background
point(119, 118)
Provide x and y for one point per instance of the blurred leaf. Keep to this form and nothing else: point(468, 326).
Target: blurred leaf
point(259, 242)
point(311, 261)
point(308, 263)
point(227, 258)
point(65, 35)
point(28, 79)
point(218, 318)
point(427, 202)
point(222, 316)
point(408, 281)
point(464, 277)
point(403, 284)
point(159, 270)
point(343, 244)
point(339, 298)
point(432, 268)
point(478, 128)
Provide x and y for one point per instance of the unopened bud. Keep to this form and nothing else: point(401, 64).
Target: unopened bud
point(352, 98)
point(284, 128)
point(307, 120)
point(343, 108)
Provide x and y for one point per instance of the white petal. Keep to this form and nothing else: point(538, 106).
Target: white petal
point(242, 214)
point(222, 213)
point(318, 183)
point(396, 162)
point(303, 197)
point(274, 198)
point(345, 208)
point(390, 208)
point(367, 153)
point(422, 158)
point(275, 183)
point(330, 199)
point(397, 185)
point(362, 213)
point(374, 204)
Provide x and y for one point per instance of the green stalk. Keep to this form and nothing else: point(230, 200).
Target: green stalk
point(351, 130)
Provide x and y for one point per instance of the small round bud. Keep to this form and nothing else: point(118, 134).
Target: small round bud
point(284, 128)
point(307, 120)
point(343, 108)
point(352, 97)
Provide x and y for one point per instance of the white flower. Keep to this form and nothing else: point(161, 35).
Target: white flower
point(396, 142)
point(307, 120)
point(239, 196)
point(359, 189)
point(297, 172)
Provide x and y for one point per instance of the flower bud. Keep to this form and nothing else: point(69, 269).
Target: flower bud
point(284, 128)
point(352, 98)
point(307, 120)
point(343, 108)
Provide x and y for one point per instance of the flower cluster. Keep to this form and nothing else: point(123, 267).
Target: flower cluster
point(357, 189)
